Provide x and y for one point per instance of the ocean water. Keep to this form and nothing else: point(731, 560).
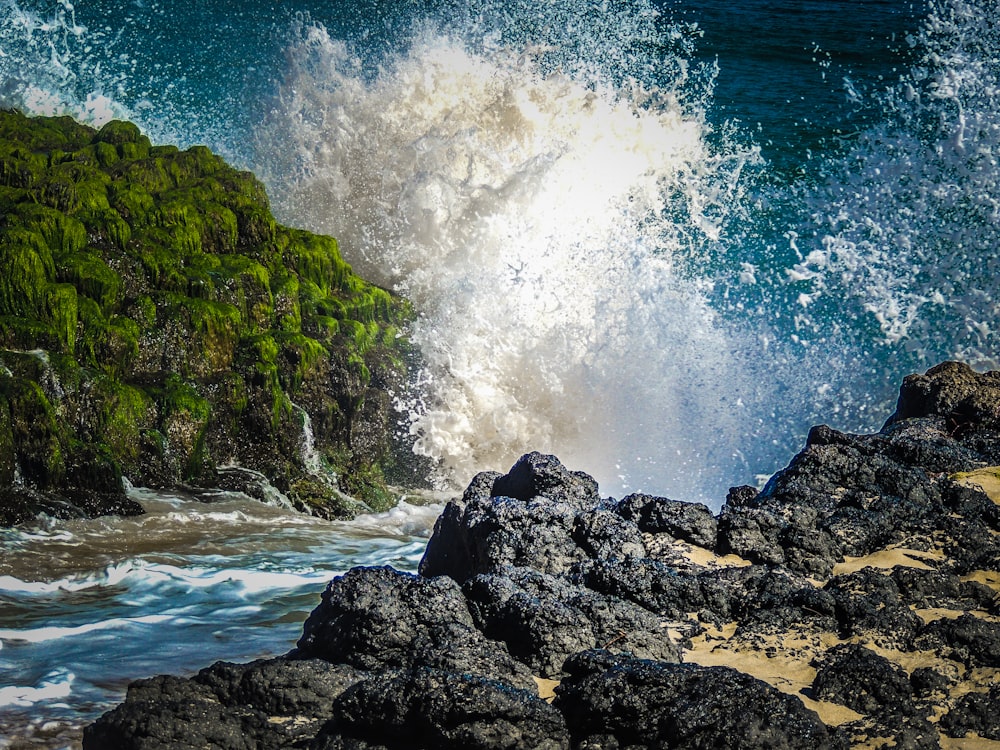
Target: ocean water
point(660, 239)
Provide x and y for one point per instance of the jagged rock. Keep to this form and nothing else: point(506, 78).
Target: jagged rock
point(427, 709)
point(858, 678)
point(727, 594)
point(167, 713)
point(536, 533)
point(448, 553)
point(540, 475)
point(649, 583)
point(380, 618)
point(604, 535)
point(932, 588)
point(975, 712)
point(928, 683)
point(752, 533)
point(952, 390)
point(968, 639)
point(543, 619)
point(281, 687)
point(528, 518)
point(868, 604)
point(616, 701)
point(692, 522)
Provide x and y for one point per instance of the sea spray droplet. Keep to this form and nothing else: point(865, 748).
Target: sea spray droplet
point(541, 223)
point(909, 218)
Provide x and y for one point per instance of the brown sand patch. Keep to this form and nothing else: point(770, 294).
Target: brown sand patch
point(969, 742)
point(987, 480)
point(886, 559)
point(781, 661)
point(708, 559)
point(682, 554)
point(989, 578)
point(940, 613)
point(546, 688)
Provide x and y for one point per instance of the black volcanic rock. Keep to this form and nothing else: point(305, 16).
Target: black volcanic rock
point(692, 522)
point(858, 678)
point(973, 641)
point(266, 704)
point(965, 399)
point(603, 534)
point(614, 701)
point(868, 603)
point(539, 475)
point(380, 618)
point(866, 555)
point(975, 712)
point(431, 709)
point(543, 620)
point(539, 515)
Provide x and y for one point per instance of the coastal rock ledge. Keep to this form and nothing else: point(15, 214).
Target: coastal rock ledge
point(853, 602)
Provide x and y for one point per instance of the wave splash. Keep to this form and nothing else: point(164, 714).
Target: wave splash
point(544, 225)
point(603, 269)
point(907, 223)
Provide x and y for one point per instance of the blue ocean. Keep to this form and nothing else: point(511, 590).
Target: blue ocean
point(658, 238)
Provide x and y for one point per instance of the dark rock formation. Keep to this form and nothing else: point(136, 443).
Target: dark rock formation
point(156, 322)
point(429, 708)
point(274, 703)
point(852, 602)
point(543, 619)
point(692, 522)
point(379, 618)
point(975, 712)
point(858, 678)
point(622, 702)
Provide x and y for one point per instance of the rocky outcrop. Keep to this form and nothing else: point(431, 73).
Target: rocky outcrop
point(853, 602)
point(157, 323)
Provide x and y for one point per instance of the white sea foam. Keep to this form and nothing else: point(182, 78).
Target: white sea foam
point(56, 685)
point(405, 519)
point(57, 64)
point(56, 632)
point(140, 575)
point(541, 222)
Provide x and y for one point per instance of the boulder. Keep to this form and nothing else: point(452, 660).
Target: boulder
point(265, 704)
point(691, 522)
point(617, 701)
point(381, 618)
point(860, 679)
point(428, 709)
point(975, 712)
point(543, 620)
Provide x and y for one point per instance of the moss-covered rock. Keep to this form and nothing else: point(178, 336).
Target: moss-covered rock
point(156, 321)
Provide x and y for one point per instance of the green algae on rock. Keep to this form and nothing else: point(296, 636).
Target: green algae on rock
point(157, 321)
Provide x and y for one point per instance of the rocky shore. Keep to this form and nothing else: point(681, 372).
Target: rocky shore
point(158, 324)
point(853, 602)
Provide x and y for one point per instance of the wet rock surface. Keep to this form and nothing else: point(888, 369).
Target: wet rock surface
point(853, 602)
point(157, 323)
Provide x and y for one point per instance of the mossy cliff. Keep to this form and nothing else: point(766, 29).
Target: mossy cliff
point(156, 322)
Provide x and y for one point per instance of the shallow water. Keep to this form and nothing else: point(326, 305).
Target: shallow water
point(88, 606)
